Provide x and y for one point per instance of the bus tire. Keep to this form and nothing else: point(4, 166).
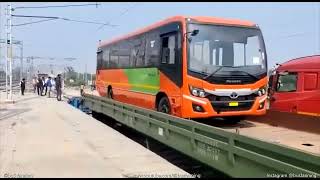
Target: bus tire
point(110, 93)
point(164, 105)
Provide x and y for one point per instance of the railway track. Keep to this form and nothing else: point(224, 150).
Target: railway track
point(192, 166)
point(264, 124)
point(15, 85)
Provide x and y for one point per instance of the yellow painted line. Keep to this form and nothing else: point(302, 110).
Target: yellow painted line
point(134, 85)
point(307, 113)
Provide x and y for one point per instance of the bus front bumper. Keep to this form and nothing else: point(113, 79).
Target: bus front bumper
point(195, 107)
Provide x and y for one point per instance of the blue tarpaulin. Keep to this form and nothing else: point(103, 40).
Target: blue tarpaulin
point(78, 103)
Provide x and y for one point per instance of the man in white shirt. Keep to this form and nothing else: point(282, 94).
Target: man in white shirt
point(49, 86)
point(46, 85)
point(34, 84)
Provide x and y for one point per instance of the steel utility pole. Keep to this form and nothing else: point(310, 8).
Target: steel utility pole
point(85, 74)
point(0, 31)
point(21, 60)
point(9, 52)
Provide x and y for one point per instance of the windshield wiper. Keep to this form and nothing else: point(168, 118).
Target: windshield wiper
point(199, 72)
point(214, 72)
point(250, 75)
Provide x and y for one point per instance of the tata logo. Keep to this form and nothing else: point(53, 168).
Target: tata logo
point(234, 95)
point(233, 81)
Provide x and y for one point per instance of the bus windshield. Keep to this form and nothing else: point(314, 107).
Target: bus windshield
point(217, 49)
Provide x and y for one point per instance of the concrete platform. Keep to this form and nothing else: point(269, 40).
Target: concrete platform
point(41, 137)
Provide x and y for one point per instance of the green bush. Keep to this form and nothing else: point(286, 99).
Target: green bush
point(76, 82)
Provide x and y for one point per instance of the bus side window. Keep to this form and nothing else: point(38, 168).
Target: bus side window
point(168, 49)
point(140, 51)
point(124, 54)
point(99, 59)
point(114, 59)
point(133, 57)
point(140, 58)
point(153, 48)
point(105, 59)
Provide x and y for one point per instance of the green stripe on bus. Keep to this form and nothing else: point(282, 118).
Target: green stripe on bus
point(145, 80)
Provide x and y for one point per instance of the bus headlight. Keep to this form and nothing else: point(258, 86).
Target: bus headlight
point(262, 91)
point(202, 93)
point(197, 92)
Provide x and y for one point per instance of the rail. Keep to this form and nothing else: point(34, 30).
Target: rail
point(15, 85)
point(234, 154)
point(3, 83)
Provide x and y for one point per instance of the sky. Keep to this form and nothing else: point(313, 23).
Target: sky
point(290, 30)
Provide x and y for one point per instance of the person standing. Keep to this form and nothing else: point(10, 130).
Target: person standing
point(34, 84)
point(43, 85)
point(49, 86)
point(81, 89)
point(53, 83)
point(58, 87)
point(23, 86)
point(39, 86)
point(46, 85)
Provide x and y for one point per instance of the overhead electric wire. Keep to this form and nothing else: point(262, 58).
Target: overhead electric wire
point(62, 18)
point(90, 22)
point(121, 14)
point(34, 22)
point(50, 17)
point(71, 5)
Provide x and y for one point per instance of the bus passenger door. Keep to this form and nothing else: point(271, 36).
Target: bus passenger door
point(170, 68)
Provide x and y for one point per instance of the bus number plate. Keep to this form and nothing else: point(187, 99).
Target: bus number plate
point(233, 104)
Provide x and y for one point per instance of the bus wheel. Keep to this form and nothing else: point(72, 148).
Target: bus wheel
point(110, 93)
point(164, 105)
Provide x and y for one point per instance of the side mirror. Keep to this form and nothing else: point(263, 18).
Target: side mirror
point(194, 32)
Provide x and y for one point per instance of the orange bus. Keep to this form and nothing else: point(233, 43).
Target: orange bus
point(191, 67)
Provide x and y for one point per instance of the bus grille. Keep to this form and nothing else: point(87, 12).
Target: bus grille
point(227, 98)
point(223, 106)
point(221, 103)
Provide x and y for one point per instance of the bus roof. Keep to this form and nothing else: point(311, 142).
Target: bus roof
point(203, 19)
point(307, 62)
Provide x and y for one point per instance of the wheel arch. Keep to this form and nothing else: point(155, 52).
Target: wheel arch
point(160, 95)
